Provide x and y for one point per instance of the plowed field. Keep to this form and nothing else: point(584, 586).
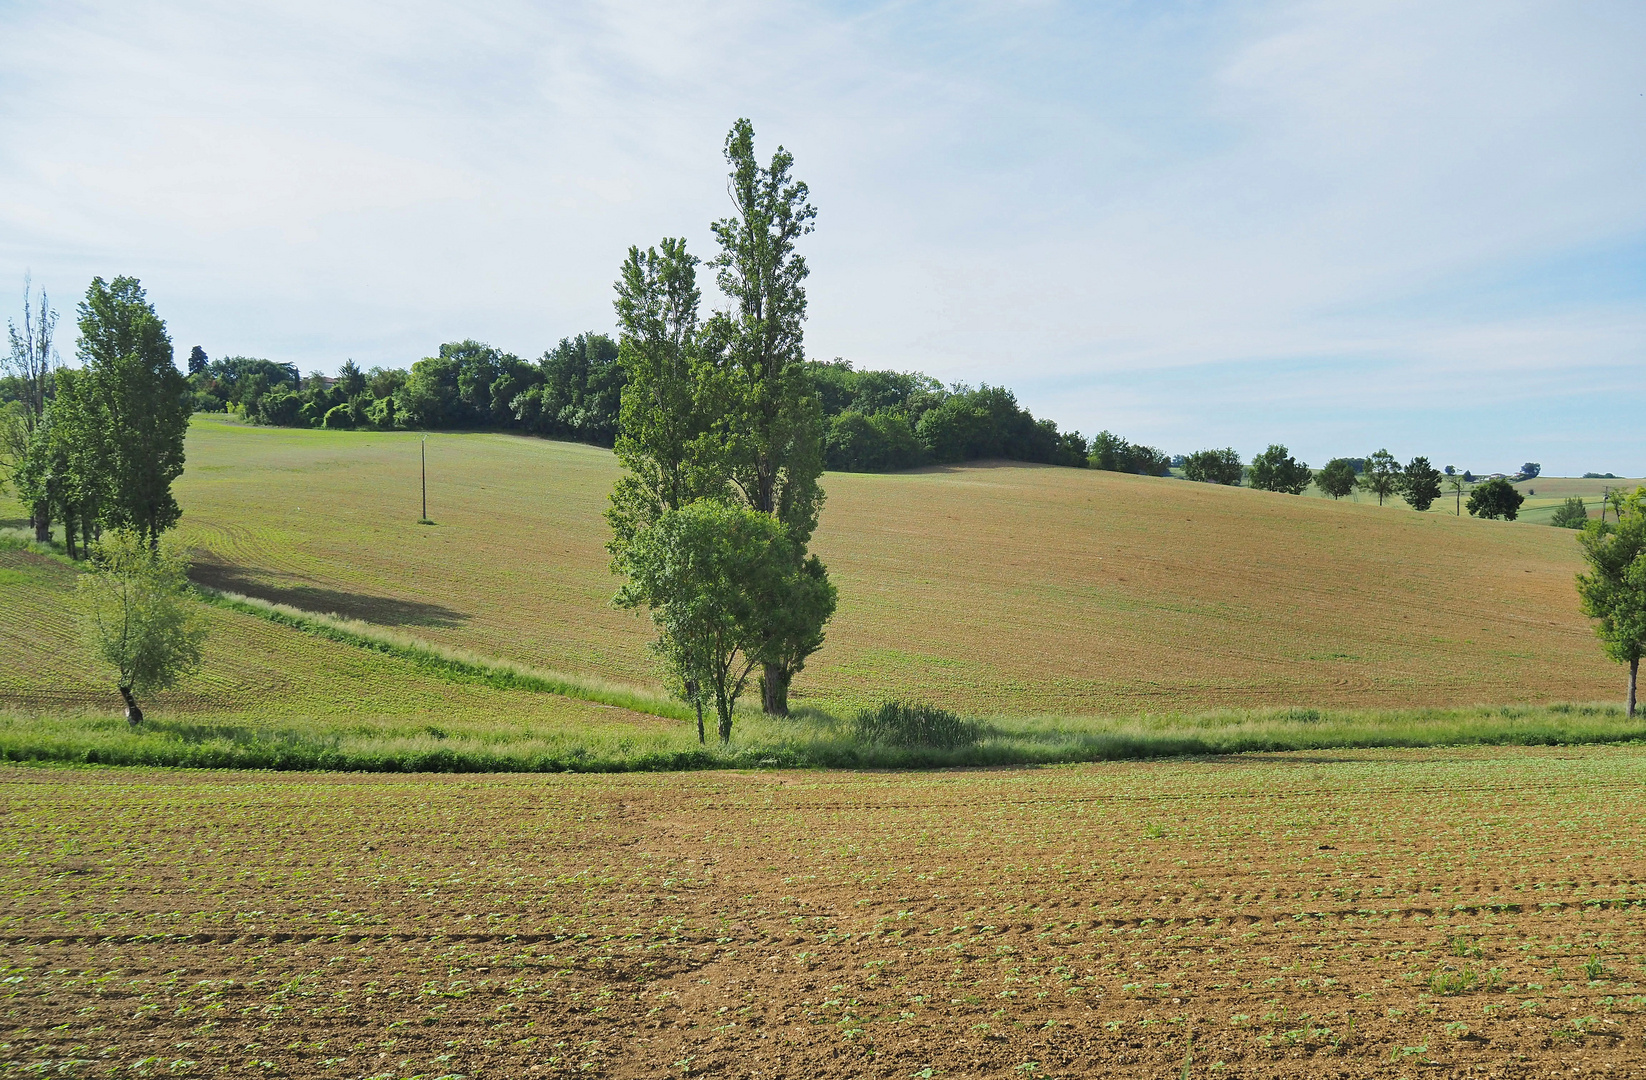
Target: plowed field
point(1351, 915)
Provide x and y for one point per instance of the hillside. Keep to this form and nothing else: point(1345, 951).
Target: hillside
point(996, 588)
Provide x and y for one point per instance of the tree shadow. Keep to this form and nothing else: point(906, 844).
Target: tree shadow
point(280, 587)
point(14, 523)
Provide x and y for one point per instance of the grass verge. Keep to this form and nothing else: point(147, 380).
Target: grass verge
point(458, 665)
point(813, 740)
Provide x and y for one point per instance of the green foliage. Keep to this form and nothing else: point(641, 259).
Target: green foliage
point(1111, 453)
point(1337, 479)
point(882, 441)
point(908, 724)
point(714, 576)
point(136, 616)
point(1613, 591)
point(1213, 467)
point(135, 408)
point(1420, 483)
point(1382, 475)
point(1572, 514)
point(664, 443)
point(1495, 499)
point(1276, 470)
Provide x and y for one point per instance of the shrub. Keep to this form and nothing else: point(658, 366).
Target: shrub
point(1573, 514)
point(901, 723)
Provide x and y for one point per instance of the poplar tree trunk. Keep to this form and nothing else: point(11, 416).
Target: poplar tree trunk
point(1634, 676)
point(774, 690)
point(42, 523)
point(134, 715)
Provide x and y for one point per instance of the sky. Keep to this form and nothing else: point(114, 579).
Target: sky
point(1337, 226)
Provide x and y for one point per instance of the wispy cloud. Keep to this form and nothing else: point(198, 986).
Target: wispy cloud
point(1411, 224)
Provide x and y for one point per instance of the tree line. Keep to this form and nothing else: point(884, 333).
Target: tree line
point(97, 448)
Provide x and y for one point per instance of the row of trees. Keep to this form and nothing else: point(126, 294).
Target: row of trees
point(96, 447)
point(721, 438)
point(570, 392)
point(1381, 474)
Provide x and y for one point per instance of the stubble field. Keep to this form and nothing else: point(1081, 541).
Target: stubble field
point(992, 589)
point(1391, 913)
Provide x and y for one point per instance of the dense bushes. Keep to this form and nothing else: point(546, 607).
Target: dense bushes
point(908, 725)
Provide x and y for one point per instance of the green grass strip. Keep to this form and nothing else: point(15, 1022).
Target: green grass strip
point(456, 665)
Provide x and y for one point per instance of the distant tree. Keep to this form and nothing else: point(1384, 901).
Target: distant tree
point(1572, 514)
point(1382, 475)
point(1495, 499)
point(1451, 470)
point(1276, 470)
point(1337, 479)
point(1530, 470)
point(879, 442)
point(1614, 589)
point(140, 402)
point(136, 617)
point(712, 574)
point(1113, 454)
point(351, 381)
point(1420, 483)
point(1213, 467)
point(1468, 477)
point(198, 361)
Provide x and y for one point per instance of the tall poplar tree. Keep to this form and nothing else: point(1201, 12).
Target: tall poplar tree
point(772, 425)
point(140, 403)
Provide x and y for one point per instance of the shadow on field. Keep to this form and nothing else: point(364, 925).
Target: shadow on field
point(15, 523)
point(279, 587)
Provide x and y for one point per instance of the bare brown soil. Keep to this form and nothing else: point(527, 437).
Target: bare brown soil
point(1296, 915)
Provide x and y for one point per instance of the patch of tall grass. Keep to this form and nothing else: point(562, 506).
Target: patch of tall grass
point(812, 739)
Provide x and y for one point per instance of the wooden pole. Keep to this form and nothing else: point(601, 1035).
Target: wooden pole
point(425, 445)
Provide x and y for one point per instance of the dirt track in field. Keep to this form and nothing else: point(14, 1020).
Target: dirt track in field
point(1256, 917)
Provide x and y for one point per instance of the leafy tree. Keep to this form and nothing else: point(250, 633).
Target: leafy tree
point(65, 469)
point(1420, 483)
point(138, 397)
point(1530, 470)
point(1213, 467)
point(663, 442)
point(713, 574)
point(1382, 476)
point(881, 441)
point(351, 381)
point(30, 366)
point(1495, 499)
point(1276, 470)
point(1572, 514)
point(1111, 453)
point(199, 362)
point(136, 617)
point(1614, 589)
point(1337, 479)
point(771, 425)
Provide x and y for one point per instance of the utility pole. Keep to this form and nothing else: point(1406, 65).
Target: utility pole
point(425, 447)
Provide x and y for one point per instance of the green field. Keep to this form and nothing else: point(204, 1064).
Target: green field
point(1082, 614)
point(993, 589)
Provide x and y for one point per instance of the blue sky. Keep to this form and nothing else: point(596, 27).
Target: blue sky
point(1337, 226)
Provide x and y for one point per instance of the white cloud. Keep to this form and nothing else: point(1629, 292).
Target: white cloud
point(1144, 217)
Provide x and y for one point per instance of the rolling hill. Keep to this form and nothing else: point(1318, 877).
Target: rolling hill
point(996, 588)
